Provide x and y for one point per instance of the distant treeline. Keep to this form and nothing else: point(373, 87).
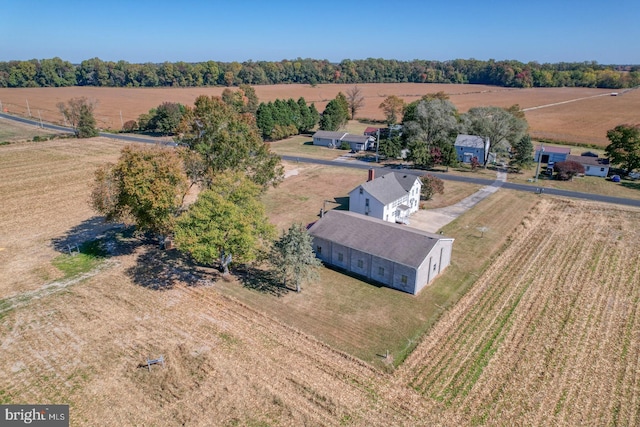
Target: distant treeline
point(95, 72)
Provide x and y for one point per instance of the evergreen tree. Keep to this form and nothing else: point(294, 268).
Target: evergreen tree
point(293, 258)
point(264, 119)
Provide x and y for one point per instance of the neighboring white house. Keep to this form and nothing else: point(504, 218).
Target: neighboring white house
point(391, 197)
point(469, 146)
point(335, 140)
point(593, 166)
point(395, 255)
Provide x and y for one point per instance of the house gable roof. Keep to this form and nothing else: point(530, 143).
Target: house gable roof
point(398, 243)
point(471, 141)
point(588, 160)
point(325, 134)
point(360, 139)
point(389, 187)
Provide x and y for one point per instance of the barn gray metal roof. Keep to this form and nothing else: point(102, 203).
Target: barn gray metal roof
point(398, 243)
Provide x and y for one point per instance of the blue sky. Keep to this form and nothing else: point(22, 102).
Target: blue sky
point(241, 30)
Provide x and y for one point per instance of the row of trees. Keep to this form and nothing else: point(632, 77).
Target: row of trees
point(95, 72)
point(280, 119)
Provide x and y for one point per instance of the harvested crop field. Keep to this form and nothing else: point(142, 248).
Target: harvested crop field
point(584, 120)
point(549, 333)
point(45, 205)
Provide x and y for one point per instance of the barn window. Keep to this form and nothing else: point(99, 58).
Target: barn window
point(380, 271)
point(434, 267)
point(360, 263)
point(319, 249)
point(404, 279)
point(340, 257)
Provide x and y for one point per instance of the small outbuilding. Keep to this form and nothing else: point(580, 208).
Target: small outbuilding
point(394, 255)
point(551, 154)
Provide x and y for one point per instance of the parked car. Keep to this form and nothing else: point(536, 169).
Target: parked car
point(615, 178)
point(634, 175)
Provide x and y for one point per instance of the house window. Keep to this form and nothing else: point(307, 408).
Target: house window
point(404, 279)
point(601, 169)
point(380, 271)
point(340, 257)
point(361, 190)
point(434, 267)
point(318, 249)
point(360, 263)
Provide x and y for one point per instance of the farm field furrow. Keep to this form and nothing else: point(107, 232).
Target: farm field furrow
point(565, 354)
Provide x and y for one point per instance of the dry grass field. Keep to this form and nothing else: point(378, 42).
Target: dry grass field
point(535, 323)
point(583, 121)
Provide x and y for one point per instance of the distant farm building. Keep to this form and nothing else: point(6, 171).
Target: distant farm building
point(394, 255)
point(551, 154)
point(469, 146)
point(335, 140)
point(391, 197)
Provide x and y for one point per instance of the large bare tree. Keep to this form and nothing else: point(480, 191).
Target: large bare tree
point(355, 98)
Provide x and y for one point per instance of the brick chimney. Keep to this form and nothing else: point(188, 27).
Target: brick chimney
point(371, 175)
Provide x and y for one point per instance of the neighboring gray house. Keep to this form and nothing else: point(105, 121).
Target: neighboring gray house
point(469, 146)
point(394, 255)
point(327, 138)
point(593, 166)
point(335, 139)
point(551, 154)
point(391, 197)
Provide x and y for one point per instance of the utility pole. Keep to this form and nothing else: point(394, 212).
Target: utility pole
point(39, 115)
point(28, 109)
point(121, 121)
point(377, 143)
point(539, 161)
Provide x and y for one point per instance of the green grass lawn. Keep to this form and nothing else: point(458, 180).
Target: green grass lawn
point(365, 319)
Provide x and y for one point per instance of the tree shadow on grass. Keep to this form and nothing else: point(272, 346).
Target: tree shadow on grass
point(261, 280)
point(631, 185)
point(115, 239)
point(160, 270)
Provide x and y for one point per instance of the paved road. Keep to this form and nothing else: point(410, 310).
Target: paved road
point(365, 165)
point(119, 136)
point(473, 180)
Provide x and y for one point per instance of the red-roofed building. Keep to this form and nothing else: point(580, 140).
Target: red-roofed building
point(371, 131)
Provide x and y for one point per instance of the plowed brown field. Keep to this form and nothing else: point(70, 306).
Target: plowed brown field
point(585, 121)
point(548, 335)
